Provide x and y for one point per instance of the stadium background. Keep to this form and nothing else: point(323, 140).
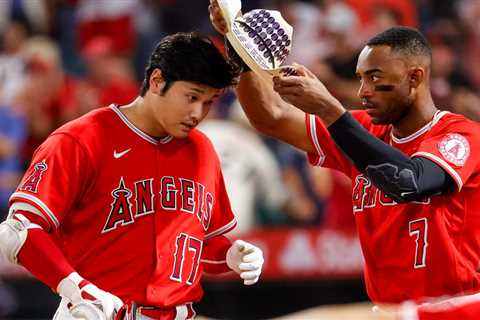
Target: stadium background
point(61, 58)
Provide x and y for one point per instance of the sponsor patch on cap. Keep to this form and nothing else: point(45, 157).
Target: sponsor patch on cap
point(455, 149)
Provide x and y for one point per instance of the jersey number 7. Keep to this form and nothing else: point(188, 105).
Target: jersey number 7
point(419, 229)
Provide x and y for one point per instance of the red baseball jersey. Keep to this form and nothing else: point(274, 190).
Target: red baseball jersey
point(422, 248)
point(131, 213)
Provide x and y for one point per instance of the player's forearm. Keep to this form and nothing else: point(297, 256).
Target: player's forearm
point(28, 244)
point(42, 257)
point(271, 115)
point(393, 172)
point(263, 107)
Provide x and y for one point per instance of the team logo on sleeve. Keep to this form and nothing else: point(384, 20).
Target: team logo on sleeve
point(31, 183)
point(455, 149)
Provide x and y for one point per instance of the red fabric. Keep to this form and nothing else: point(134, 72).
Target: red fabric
point(43, 258)
point(403, 244)
point(214, 252)
point(119, 29)
point(130, 210)
point(405, 10)
point(338, 205)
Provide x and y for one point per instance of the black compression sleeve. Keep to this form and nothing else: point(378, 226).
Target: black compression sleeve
point(397, 175)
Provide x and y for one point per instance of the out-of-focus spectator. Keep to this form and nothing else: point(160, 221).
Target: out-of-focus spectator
point(466, 102)
point(109, 79)
point(337, 68)
point(306, 19)
point(469, 11)
point(11, 62)
point(335, 189)
point(382, 17)
point(110, 19)
point(47, 91)
point(307, 209)
point(405, 10)
point(252, 176)
point(35, 14)
point(447, 76)
point(12, 136)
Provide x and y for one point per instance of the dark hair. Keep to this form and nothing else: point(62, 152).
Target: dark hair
point(189, 57)
point(404, 39)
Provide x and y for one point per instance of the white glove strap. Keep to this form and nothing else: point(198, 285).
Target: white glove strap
point(87, 310)
point(69, 287)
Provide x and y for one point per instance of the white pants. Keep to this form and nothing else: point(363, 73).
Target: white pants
point(63, 314)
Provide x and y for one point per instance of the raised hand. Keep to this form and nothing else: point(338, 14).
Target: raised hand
point(306, 92)
point(216, 17)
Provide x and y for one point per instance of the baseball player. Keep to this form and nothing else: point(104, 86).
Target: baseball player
point(125, 207)
point(415, 170)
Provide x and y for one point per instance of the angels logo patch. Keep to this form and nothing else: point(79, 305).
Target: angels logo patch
point(455, 149)
point(31, 183)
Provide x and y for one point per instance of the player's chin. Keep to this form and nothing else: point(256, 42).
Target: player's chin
point(180, 133)
point(378, 119)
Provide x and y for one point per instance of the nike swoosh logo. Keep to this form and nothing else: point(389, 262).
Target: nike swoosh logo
point(118, 155)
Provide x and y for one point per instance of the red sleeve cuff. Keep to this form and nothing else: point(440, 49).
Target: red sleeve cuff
point(214, 255)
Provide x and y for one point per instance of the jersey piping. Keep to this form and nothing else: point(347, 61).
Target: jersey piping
point(137, 131)
point(229, 226)
point(314, 138)
point(39, 203)
point(436, 117)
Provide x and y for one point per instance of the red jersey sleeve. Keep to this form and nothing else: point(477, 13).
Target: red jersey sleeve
point(222, 219)
point(214, 255)
point(454, 147)
point(57, 176)
point(327, 153)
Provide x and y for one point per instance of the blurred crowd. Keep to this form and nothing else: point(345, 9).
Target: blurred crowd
point(62, 58)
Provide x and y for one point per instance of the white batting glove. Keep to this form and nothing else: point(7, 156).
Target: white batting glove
point(245, 259)
point(88, 301)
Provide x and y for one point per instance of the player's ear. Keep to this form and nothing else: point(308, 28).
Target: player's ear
point(416, 76)
point(157, 83)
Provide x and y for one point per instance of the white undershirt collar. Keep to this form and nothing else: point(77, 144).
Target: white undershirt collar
point(436, 117)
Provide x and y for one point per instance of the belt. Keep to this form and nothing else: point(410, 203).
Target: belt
point(180, 312)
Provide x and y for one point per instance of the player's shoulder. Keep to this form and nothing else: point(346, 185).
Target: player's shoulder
point(202, 145)
point(366, 121)
point(451, 117)
point(90, 123)
point(200, 138)
point(454, 122)
point(88, 131)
